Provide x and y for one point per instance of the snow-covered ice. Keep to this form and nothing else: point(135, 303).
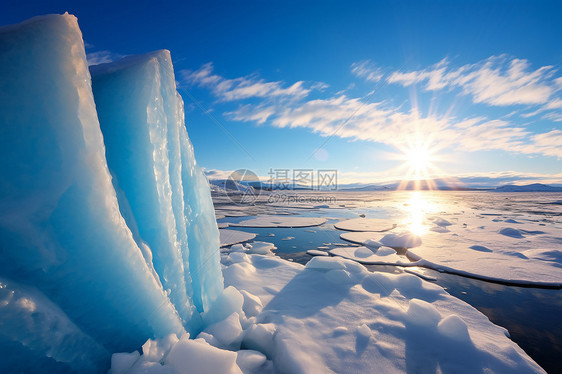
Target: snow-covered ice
point(360, 237)
point(480, 244)
point(280, 221)
point(488, 250)
point(365, 322)
point(230, 237)
point(365, 224)
point(315, 252)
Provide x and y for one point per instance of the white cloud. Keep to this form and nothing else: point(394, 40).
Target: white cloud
point(555, 105)
point(366, 70)
point(350, 118)
point(253, 113)
point(497, 80)
point(213, 174)
point(555, 117)
point(549, 143)
point(243, 87)
point(101, 57)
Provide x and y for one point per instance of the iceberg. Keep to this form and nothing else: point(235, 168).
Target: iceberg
point(142, 120)
point(107, 229)
point(133, 104)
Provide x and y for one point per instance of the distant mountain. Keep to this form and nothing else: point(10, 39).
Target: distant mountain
point(437, 184)
point(367, 187)
point(535, 187)
point(229, 185)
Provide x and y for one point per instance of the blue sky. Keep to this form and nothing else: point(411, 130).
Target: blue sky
point(474, 88)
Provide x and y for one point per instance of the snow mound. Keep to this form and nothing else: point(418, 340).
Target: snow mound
point(251, 361)
point(454, 328)
point(440, 229)
point(373, 244)
point(441, 222)
point(261, 248)
point(155, 350)
point(511, 232)
point(197, 356)
point(550, 255)
point(423, 314)
point(364, 255)
point(404, 239)
point(334, 316)
point(480, 248)
point(252, 304)
point(228, 331)
point(121, 363)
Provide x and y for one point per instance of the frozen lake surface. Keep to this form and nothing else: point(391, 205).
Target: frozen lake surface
point(500, 252)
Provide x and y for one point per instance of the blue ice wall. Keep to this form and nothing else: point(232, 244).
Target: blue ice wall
point(143, 124)
point(202, 230)
point(132, 103)
point(92, 264)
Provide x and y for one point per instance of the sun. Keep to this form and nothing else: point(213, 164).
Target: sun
point(418, 159)
point(418, 168)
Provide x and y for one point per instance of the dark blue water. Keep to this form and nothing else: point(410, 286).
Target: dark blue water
point(532, 316)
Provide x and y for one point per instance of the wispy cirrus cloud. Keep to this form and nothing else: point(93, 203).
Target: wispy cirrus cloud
point(365, 69)
point(102, 57)
point(498, 80)
point(553, 107)
point(351, 118)
point(243, 87)
point(494, 81)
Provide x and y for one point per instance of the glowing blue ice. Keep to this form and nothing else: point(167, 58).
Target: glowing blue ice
point(95, 259)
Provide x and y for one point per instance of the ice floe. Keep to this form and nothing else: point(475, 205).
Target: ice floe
point(315, 252)
point(280, 221)
point(230, 237)
point(365, 224)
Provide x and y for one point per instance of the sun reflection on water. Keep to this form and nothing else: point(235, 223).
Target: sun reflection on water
point(416, 207)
